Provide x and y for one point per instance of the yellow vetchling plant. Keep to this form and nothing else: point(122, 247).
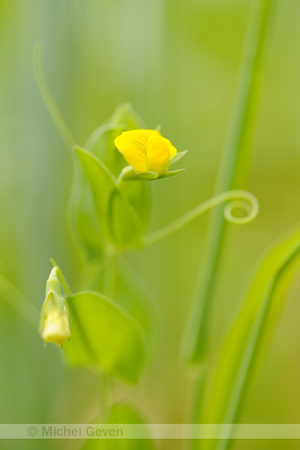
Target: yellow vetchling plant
point(109, 207)
point(107, 324)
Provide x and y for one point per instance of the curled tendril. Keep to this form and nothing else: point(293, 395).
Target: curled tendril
point(234, 199)
point(245, 201)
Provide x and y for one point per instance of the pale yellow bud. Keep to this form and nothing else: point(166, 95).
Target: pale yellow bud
point(56, 327)
point(54, 324)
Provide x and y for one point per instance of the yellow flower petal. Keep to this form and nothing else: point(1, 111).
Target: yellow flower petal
point(146, 150)
point(133, 146)
point(158, 154)
point(172, 149)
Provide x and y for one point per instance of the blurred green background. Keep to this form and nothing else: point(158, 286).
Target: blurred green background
point(177, 63)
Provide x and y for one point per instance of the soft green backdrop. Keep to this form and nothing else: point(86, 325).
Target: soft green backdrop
point(177, 63)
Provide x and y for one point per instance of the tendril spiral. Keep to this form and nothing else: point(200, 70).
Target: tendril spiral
point(243, 200)
point(234, 199)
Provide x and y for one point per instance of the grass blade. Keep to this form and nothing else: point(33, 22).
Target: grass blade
point(254, 322)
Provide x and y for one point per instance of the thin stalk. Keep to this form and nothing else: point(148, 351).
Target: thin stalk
point(206, 206)
point(49, 101)
point(233, 172)
point(19, 302)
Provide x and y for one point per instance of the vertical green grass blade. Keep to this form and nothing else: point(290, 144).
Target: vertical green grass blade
point(254, 322)
point(233, 171)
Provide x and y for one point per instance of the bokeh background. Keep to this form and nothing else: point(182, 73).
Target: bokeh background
point(178, 64)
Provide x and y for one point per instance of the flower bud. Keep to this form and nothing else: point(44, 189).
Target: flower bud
point(54, 324)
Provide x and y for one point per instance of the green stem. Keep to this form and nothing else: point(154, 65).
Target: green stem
point(233, 173)
point(204, 207)
point(48, 99)
point(19, 302)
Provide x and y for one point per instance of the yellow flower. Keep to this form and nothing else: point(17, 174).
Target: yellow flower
point(146, 150)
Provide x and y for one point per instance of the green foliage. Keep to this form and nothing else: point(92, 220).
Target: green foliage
point(125, 114)
point(101, 184)
point(124, 224)
point(180, 69)
point(94, 186)
point(101, 144)
point(101, 141)
point(84, 226)
point(138, 194)
point(254, 322)
point(136, 298)
point(117, 219)
point(171, 173)
point(104, 336)
point(232, 174)
point(130, 174)
point(130, 292)
point(178, 157)
point(121, 413)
